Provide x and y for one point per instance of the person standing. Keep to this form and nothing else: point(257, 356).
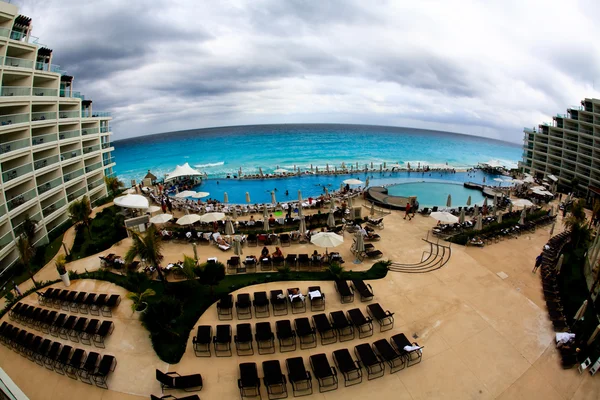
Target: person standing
point(538, 262)
point(16, 289)
point(407, 210)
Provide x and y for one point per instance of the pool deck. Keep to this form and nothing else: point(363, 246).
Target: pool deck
point(486, 335)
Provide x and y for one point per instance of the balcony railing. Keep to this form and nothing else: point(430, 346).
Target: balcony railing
point(108, 161)
point(53, 207)
point(43, 116)
point(16, 172)
point(14, 119)
point(2, 210)
point(69, 134)
point(72, 175)
point(106, 145)
point(6, 240)
point(89, 131)
point(45, 162)
point(37, 91)
point(41, 139)
point(44, 187)
point(67, 155)
point(14, 145)
point(95, 184)
point(76, 194)
point(18, 62)
point(19, 220)
point(93, 167)
point(68, 114)
point(15, 91)
point(20, 199)
point(104, 129)
point(91, 149)
point(95, 114)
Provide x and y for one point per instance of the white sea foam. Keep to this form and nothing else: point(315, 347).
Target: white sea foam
point(209, 165)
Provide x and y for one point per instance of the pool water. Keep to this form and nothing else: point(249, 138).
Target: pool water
point(431, 194)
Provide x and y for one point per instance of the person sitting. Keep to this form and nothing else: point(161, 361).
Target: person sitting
point(265, 253)
point(271, 220)
point(278, 253)
point(316, 257)
point(251, 222)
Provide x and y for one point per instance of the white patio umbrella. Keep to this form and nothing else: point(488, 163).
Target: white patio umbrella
point(237, 246)
point(185, 193)
point(265, 212)
point(188, 219)
point(153, 209)
point(300, 213)
point(522, 219)
point(247, 197)
point(449, 201)
point(280, 171)
point(485, 203)
point(594, 335)
point(161, 218)
point(225, 198)
point(476, 210)
point(195, 249)
point(522, 203)
point(353, 182)
point(299, 196)
point(461, 217)
point(331, 220)
point(469, 201)
point(580, 313)
point(212, 217)
point(273, 199)
point(499, 180)
point(479, 223)
point(359, 246)
point(327, 240)
point(200, 195)
point(132, 201)
point(234, 213)
point(529, 179)
point(500, 217)
point(444, 217)
point(229, 228)
point(302, 227)
point(266, 226)
point(131, 191)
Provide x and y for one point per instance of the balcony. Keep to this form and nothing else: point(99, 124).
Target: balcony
point(89, 131)
point(104, 129)
point(46, 186)
point(107, 145)
point(37, 91)
point(76, 194)
point(6, 240)
point(14, 119)
point(43, 139)
point(20, 199)
point(69, 134)
point(14, 145)
point(91, 149)
point(108, 161)
point(53, 207)
point(18, 36)
point(18, 62)
point(95, 184)
point(72, 175)
point(2, 210)
point(71, 94)
point(43, 116)
point(93, 167)
point(67, 155)
point(96, 114)
point(16, 172)
point(68, 114)
point(19, 220)
point(45, 162)
point(15, 91)
point(40, 66)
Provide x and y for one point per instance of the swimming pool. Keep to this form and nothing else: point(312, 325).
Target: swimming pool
point(431, 194)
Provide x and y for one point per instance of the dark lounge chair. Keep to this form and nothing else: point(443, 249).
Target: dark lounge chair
point(412, 357)
point(384, 318)
point(225, 307)
point(89, 332)
point(261, 305)
point(349, 368)
point(340, 323)
point(66, 328)
point(368, 358)
point(265, 340)
point(171, 397)
point(201, 341)
point(106, 329)
point(364, 289)
point(222, 341)
point(75, 363)
point(306, 333)
point(107, 364)
point(317, 303)
point(326, 331)
point(363, 325)
point(297, 303)
point(89, 367)
point(243, 340)
point(62, 359)
point(111, 303)
point(172, 380)
point(279, 304)
point(40, 354)
point(386, 352)
point(285, 335)
point(249, 383)
point(274, 380)
point(299, 377)
point(303, 261)
point(243, 306)
point(52, 354)
point(345, 292)
point(326, 374)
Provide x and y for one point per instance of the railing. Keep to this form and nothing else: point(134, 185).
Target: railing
point(68, 114)
point(70, 154)
point(106, 145)
point(20, 199)
point(15, 91)
point(104, 129)
point(91, 149)
point(41, 139)
point(78, 95)
point(109, 161)
point(16, 172)
point(14, 145)
point(586, 142)
point(53, 207)
point(43, 116)
point(2, 210)
point(37, 91)
point(18, 62)
point(14, 119)
point(44, 162)
point(95, 114)
point(72, 175)
point(6, 240)
point(69, 134)
point(76, 194)
point(44, 187)
point(95, 184)
point(89, 131)
point(93, 167)
point(529, 130)
point(37, 217)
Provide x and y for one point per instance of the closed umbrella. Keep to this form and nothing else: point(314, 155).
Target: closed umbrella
point(188, 219)
point(225, 198)
point(266, 226)
point(559, 264)
point(469, 201)
point(500, 218)
point(200, 195)
point(265, 212)
point(522, 219)
point(212, 217)
point(485, 202)
point(479, 223)
point(237, 246)
point(326, 191)
point(260, 172)
point(476, 210)
point(300, 213)
point(359, 246)
point(332, 205)
point(510, 207)
point(247, 197)
point(444, 217)
point(229, 228)
point(327, 240)
point(299, 196)
point(273, 199)
point(581, 312)
point(185, 193)
point(327, 167)
point(461, 217)
point(194, 247)
point(594, 335)
point(371, 164)
point(484, 179)
point(384, 165)
point(380, 167)
point(161, 218)
point(331, 220)
point(552, 228)
point(240, 172)
point(367, 182)
point(372, 209)
point(302, 227)
point(350, 202)
point(234, 213)
point(449, 201)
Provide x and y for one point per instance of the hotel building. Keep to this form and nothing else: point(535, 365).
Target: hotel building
point(568, 148)
point(54, 148)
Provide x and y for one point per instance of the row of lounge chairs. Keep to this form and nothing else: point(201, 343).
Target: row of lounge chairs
point(81, 302)
point(346, 291)
point(61, 325)
point(63, 359)
point(370, 358)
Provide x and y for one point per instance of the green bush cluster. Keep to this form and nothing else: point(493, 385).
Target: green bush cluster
point(107, 228)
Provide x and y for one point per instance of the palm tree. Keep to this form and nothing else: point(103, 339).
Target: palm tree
point(189, 263)
point(113, 184)
point(148, 248)
point(80, 213)
point(576, 223)
point(26, 253)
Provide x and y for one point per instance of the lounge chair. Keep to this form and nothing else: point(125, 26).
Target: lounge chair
point(87, 303)
point(52, 354)
point(202, 340)
point(299, 377)
point(377, 223)
point(346, 293)
point(368, 358)
point(340, 323)
point(90, 330)
point(77, 330)
point(306, 333)
point(326, 374)
point(33, 347)
point(41, 352)
point(274, 380)
point(172, 380)
point(222, 341)
point(285, 335)
point(317, 300)
point(384, 318)
point(290, 261)
point(112, 302)
point(414, 355)
point(285, 240)
point(326, 331)
point(297, 300)
point(243, 306)
point(265, 340)
point(66, 328)
point(386, 352)
point(75, 363)
point(171, 397)
point(243, 340)
point(261, 305)
point(98, 303)
point(249, 383)
point(278, 303)
point(88, 368)
point(107, 364)
point(225, 307)
point(364, 289)
point(233, 264)
point(303, 261)
point(349, 368)
point(363, 325)
point(105, 329)
point(62, 359)
point(54, 326)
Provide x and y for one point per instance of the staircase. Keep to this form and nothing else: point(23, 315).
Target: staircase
point(437, 256)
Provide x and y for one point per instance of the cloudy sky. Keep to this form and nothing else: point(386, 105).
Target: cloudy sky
point(478, 67)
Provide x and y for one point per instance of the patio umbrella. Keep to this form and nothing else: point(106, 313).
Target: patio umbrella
point(444, 217)
point(195, 249)
point(280, 171)
point(327, 167)
point(484, 179)
point(185, 193)
point(266, 226)
point(317, 169)
point(265, 212)
point(367, 182)
point(372, 209)
point(341, 187)
point(522, 203)
point(302, 227)
point(161, 218)
point(332, 205)
point(580, 313)
point(552, 228)
point(522, 219)
point(240, 172)
point(212, 217)
point(234, 213)
point(350, 202)
point(300, 213)
point(380, 167)
point(594, 335)
point(359, 246)
point(461, 217)
point(510, 207)
point(353, 182)
point(132, 201)
point(131, 191)
point(229, 228)
point(247, 197)
point(559, 264)
point(500, 217)
point(479, 223)
point(188, 219)
point(357, 165)
point(499, 180)
point(299, 196)
point(273, 199)
point(384, 164)
point(326, 191)
point(485, 202)
point(225, 198)
point(371, 164)
point(469, 201)
point(449, 201)
point(335, 168)
point(153, 209)
point(260, 172)
point(331, 220)
point(237, 246)
point(476, 210)
point(327, 240)
point(200, 195)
